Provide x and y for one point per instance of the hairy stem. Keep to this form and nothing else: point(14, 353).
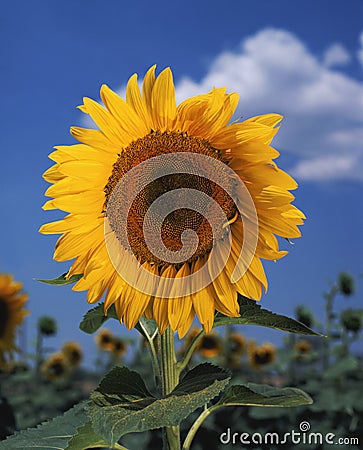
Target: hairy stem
point(181, 365)
point(195, 427)
point(169, 379)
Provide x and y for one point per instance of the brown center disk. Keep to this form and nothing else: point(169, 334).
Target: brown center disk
point(156, 144)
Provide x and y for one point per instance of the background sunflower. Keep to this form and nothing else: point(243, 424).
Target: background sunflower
point(12, 314)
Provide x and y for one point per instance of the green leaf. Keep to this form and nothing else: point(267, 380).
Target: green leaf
point(62, 280)
point(54, 434)
point(124, 383)
point(252, 314)
point(122, 404)
point(252, 394)
point(95, 317)
point(147, 327)
point(86, 438)
point(199, 379)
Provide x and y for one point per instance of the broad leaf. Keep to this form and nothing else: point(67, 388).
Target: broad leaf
point(199, 378)
point(252, 314)
point(95, 317)
point(54, 434)
point(122, 404)
point(252, 394)
point(62, 280)
point(125, 383)
point(86, 438)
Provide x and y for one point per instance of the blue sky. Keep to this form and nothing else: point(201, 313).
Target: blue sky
point(301, 59)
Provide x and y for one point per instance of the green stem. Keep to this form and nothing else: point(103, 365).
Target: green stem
point(38, 353)
point(169, 379)
point(181, 365)
point(154, 361)
point(153, 352)
point(329, 297)
point(195, 427)
point(228, 356)
point(291, 364)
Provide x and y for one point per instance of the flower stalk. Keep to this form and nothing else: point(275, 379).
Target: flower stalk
point(169, 379)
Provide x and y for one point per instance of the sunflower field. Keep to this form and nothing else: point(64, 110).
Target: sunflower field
point(321, 374)
point(169, 214)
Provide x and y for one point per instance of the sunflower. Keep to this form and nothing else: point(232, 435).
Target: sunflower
point(261, 355)
point(119, 347)
point(302, 348)
point(209, 346)
point(55, 367)
point(237, 344)
point(104, 339)
point(351, 320)
point(12, 313)
point(47, 326)
point(105, 242)
point(73, 353)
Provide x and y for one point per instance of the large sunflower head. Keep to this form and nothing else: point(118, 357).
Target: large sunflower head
point(170, 207)
point(12, 314)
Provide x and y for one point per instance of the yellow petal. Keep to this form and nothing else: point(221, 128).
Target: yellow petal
point(186, 324)
point(106, 122)
point(94, 138)
point(115, 287)
point(129, 123)
point(133, 98)
point(71, 245)
point(240, 133)
point(160, 313)
point(226, 296)
point(179, 307)
point(85, 202)
point(163, 103)
point(271, 120)
point(147, 88)
point(135, 307)
point(203, 300)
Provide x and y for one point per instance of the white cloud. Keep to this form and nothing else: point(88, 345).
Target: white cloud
point(273, 71)
point(360, 51)
point(336, 55)
point(329, 168)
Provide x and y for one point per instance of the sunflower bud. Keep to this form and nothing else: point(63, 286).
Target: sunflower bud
point(304, 315)
point(346, 284)
point(47, 326)
point(351, 320)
